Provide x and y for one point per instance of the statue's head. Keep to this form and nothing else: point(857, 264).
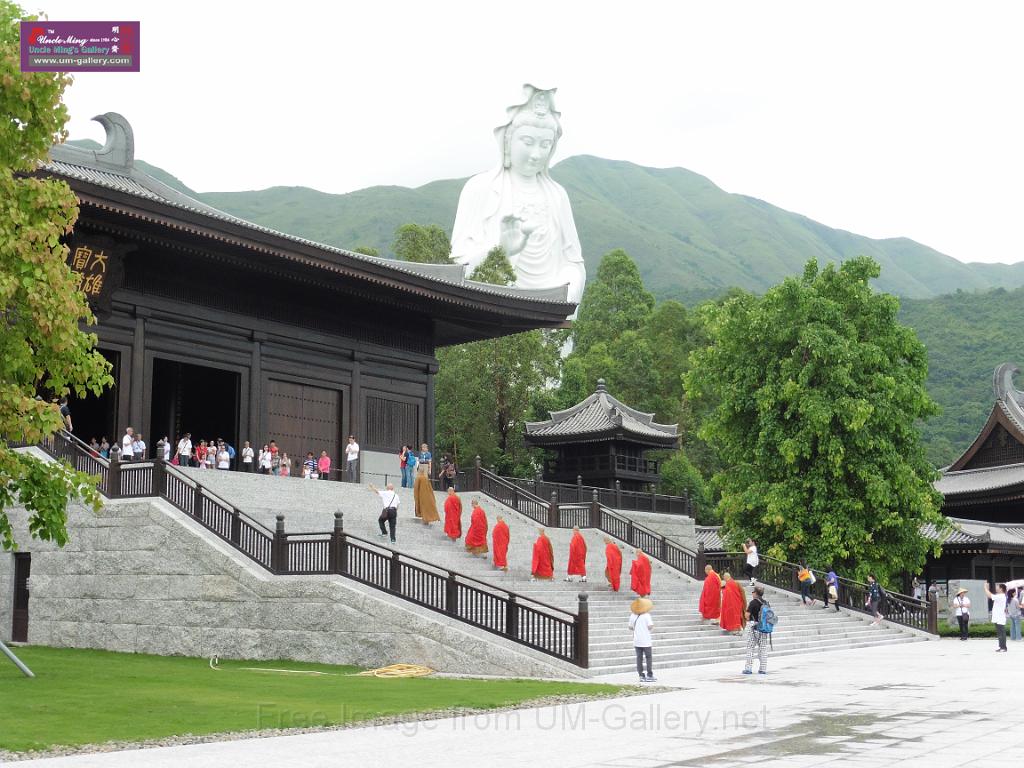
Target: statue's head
point(529, 138)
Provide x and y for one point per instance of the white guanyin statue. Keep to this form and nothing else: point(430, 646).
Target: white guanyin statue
point(520, 207)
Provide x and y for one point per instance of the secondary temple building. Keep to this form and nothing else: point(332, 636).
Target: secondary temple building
point(603, 441)
point(224, 328)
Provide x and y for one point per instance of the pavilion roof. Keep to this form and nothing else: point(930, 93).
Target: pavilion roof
point(601, 417)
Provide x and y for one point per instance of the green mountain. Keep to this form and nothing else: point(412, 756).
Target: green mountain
point(967, 335)
point(691, 239)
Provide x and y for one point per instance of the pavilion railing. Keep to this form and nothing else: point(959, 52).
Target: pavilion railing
point(616, 498)
point(899, 609)
point(532, 623)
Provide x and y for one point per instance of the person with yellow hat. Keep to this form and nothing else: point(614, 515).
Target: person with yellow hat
point(641, 623)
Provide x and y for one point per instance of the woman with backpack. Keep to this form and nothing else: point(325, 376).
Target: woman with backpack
point(758, 632)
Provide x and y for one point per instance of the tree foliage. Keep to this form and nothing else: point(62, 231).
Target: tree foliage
point(423, 244)
point(42, 349)
point(366, 250)
point(484, 389)
point(817, 391)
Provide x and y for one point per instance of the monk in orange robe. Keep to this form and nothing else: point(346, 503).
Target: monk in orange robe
point(577, 557)
point(453, 516)
point(499, 540)
point(543, 566)
point(613, 563)
point(640, 574)
point(476, 536)
point(711, 595)
point(734, 603)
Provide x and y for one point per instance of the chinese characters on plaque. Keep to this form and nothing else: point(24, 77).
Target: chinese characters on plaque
point(98, 265)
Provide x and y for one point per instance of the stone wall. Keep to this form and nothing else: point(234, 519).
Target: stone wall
point(6, 595)
point(142, 577)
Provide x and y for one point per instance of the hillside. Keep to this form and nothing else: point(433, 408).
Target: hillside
point(691, 239)
point(967, 335)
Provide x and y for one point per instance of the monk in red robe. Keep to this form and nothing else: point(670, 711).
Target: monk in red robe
point(476, 536)
point(577, 557)
point(734, 603)
point(499, 539)
point(640, 574)
point(613, 563)
point(711, 595)
point(453, 516)
point(543, 566)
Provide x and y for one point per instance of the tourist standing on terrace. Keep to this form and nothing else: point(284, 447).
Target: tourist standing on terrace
point(323, 465)
point(998, 599)
point(962, 610)
point(641, 623)
point(403, 464)
point(247, 457)
point(352, 459)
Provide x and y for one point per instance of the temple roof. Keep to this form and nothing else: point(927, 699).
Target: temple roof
point(1007, 412)
point(982, 480)
point(112, 169)
point(601, 417)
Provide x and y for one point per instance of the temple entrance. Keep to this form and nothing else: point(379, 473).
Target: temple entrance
point(302, 418)
point(196, 399)
point(96, 416)
point(22, 570)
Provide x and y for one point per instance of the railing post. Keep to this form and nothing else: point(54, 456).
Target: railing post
point(553, 510)
point(933, 614)
point(583, 631)
point(618, 494)
point(236, 527)
point(579, 489)
point(114, 479)
point(515, 497)
point(159, 477)
point(279, 550)
point(654, 502)
point(595, 510)
point(197, 503)
point(336, 554)
point(395, 574)
point(702, 559)
point(663, 548)
point(451, 595)
point(512, 618)
point(629, 532)
point(537, 478)
point(476, 475)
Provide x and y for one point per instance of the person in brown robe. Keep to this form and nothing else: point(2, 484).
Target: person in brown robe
point(423, 495)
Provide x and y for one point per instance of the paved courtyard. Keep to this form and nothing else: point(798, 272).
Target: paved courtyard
point(929, 704)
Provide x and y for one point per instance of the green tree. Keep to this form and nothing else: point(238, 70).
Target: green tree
point(422, 244)
point(366, 250)
point(42, 348)
point(484, 390)
point(616, 301)
point(817, 393)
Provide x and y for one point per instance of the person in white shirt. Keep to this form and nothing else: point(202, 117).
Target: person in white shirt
point(752, 560)
point(184, 450)
point(223, 457)
point(138, 448)
point(165, 453)
point(998, 599)
point(247, 456)
point(352, 459)
point(641, 623)
point(127, 452)
point(389, 500)
point(962, 610)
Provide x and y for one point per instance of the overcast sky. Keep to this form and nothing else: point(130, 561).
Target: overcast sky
point(883, 118)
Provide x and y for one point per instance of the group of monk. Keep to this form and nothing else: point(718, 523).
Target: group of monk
point(722, 603)
point(542, 565)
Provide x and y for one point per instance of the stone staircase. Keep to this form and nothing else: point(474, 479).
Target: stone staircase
point(681, 639)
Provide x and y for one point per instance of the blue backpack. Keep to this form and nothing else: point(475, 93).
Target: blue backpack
point(410, 459)
point(767, 620)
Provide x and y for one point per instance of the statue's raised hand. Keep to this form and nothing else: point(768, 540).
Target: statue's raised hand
point(513, 238)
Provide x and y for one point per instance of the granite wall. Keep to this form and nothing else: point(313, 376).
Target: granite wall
point(142, 577)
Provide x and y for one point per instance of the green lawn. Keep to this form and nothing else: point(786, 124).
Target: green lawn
point(88, 697)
